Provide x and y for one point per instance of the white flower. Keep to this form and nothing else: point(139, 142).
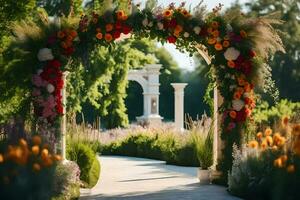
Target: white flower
point(150, 24)
point(238, 105)
point(160, 26)
point(145, 22)
point(45, 54)
point(197, 30)
point(231, 53)
point(50, 88)
point(229, 28)
point(186, 35)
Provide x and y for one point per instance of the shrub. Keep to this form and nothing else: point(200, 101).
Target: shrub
point(83, 152)
point(66, 181)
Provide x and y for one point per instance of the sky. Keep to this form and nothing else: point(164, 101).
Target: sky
point(183, 59)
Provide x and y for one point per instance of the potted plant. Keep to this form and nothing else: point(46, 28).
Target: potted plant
point(203, 143)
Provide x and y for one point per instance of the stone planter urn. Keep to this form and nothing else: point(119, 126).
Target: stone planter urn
point(204, 176)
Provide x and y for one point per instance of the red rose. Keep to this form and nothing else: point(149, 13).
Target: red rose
point(173, 23)
point(241, 116)
point(54, 63)
point(247, 67)
point(126, 29)
point(171, 39)
point(118, 25)
point(116, 34)
point(59, 109)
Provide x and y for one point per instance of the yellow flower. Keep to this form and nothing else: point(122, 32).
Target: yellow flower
point(253, 144)
point(284, 158)
point(264, 145)
point(281, 141)
point(290, 169)
point(218, 47)
point(268, 132)
point(168, 13)
point(35, 150)
point(44, 153)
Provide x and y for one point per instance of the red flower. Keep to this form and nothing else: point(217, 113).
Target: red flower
point(173, 23)
point(241, 116)
point(247, 67)
point(252, 53)
point(54, 63)
point(171, 39)
point(203, 32)
point(60, 109)
point(118, 25)
point(116, 34)
point(69, 51)
point(126, 29)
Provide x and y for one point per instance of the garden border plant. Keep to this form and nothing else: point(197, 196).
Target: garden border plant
point(238, 46)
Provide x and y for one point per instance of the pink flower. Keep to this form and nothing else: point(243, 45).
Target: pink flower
point(47, 112)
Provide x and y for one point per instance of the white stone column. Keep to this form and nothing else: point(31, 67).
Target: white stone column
point(64, 117)
point(179, 104)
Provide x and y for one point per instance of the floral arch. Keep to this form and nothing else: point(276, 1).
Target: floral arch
point(238, 48)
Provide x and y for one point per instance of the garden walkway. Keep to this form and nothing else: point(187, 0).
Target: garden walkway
point(143, 179)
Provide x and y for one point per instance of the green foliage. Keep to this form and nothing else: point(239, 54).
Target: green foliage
point(94, 173)
point(169, 147)
point(85, 157)
point(264, 114)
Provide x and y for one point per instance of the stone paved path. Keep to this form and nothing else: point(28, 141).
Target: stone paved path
point(142, 179)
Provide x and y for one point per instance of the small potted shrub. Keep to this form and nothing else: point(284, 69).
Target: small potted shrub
point(203, 144)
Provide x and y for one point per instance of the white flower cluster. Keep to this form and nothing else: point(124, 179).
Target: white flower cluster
point(231, 53)
point(45, 54)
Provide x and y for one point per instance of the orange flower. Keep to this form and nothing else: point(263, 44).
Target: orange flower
point(64, 45)
point(232, 114)
point(240, 90)
point(44, 153)
point(61, 34)
point(259, 135)
point(99, 36)
point(108, 37)
point(248, 112)
point(264, 145)
point(109, 27)
point(210, 30)
point(269, 140)
point(231, 64)
point(57, 157)
point(215, 24)
point(1, 158)
point(23, 143)
point(236, 95)
point(211, 41)
point(241, 81)
point(216, 33)
point(284, 158)
point(253, 144)
point(218, 47)
point(268, 132)
point(168, 13)
point(178, 28)
point(274, 148)
point(35, 149)
point(120, 15)
point(278, 163)
point(226, 43)
point(47, 162)
point(290, 169)
point(69, 38)
point(73, 33)
point(185, 13)
point(281, 141)
point(36, 140)
point(276, 137)
point(296, 130)
point(247, 87)
point(36, 167)
point(243, 34)
point(176, 34)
